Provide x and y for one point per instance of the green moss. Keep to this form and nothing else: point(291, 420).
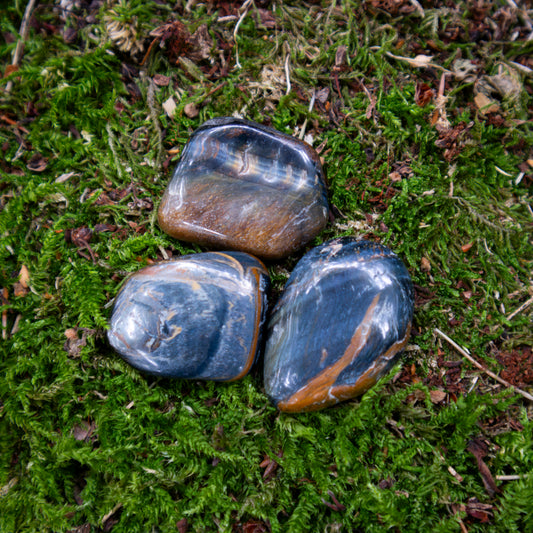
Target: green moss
point(85, 439)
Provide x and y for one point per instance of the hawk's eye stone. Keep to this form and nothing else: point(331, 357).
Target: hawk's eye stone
point(344, 314)
point(243, 186)
point(198, 316)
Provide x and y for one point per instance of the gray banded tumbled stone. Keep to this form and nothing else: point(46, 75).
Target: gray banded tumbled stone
point(243, 186)
point(343, 317)
point(198, 316)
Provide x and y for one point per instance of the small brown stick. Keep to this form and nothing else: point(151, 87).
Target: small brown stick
point(466, 355)
point(17, 54)
point(4, 314)
point(217, 88)
point(150, 98)
point(525, 305)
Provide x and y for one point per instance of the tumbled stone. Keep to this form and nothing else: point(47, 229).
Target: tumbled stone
point(243, 186)
point(344, 315)
point(198, 316)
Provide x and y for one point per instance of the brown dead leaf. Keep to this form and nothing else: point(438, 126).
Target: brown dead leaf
point(37, 163)
point(190, 110)
point(424, 94)
point(464, 70)
point(485, 104)
point(21, 287)
point(74, 343)
point(81, 236)
point(437, 396)
point(161, 81)
point(175, 36)
point(452, 139)
point(479, 449)
point(10, 69)
point(340, 56)
point(415, 396)
point(425, 265)
point(270, 466)
point(83, 431)
point(100, 228)
point(322, 96)
point(517, 366)
point(393, 7)
point(395, 176)
point(267, 18)
point(8, 486)
point(182, 525)
point(201, 44)
point(466, 247)
point(480, 511)
point(169, 106)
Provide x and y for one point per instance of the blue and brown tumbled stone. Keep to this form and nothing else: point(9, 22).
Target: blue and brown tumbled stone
point(243, 186)
point(198, 316)
point(344, 315)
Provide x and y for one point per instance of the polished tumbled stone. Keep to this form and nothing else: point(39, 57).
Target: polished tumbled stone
point(344, 315)
point(243, 186)
point(198, 316)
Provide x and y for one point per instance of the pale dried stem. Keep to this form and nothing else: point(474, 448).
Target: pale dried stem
point(466, 355)
point(17, 54)
point(111, 142)
point(512, 477)
point(419, 8)
point(287, 73)
point(525, 305)
point(244, 8)
point(311, 105)
point(155, 121)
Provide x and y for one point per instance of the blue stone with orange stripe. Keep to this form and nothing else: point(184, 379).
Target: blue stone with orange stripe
point(243, 186)
point(343, 317)
point(198, 316)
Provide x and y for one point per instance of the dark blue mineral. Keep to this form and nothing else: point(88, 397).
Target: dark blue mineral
point(198, 316)
point(243, 186)
point(344, 315)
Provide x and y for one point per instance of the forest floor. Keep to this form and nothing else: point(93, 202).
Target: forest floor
point(421, 114)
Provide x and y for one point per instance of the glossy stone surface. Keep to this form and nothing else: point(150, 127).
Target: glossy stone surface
point(344, 315)
point(198, 316)
point(243, 186)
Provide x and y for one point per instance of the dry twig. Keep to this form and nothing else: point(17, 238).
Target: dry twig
point(466, 355)
point(525, 305)
point(17, 54)
point(287, 73)
point(311, 105)
point(155, 121)
point(244, 8)
point(512, 477)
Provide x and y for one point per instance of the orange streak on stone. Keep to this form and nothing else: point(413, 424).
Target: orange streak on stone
point(253, 348)
point(236, 264)
point(316, 390)
point(366, 381)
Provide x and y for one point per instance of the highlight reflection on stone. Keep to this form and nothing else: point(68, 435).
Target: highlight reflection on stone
point(344, 315)
point(243, 186)
point(198, 316)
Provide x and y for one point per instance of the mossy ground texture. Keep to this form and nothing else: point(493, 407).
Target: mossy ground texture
point(421, 112)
